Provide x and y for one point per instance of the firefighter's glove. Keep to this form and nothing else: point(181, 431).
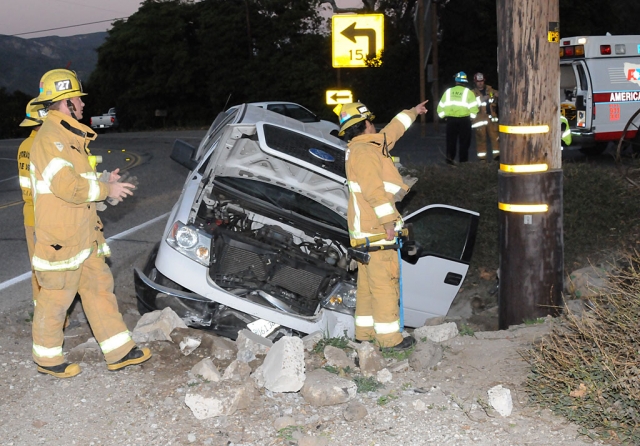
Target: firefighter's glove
point(409, 181)
point(124, 178)
point(104, 177)
point(131, 179)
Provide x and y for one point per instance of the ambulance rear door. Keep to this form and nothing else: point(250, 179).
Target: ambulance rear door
point(584, 96)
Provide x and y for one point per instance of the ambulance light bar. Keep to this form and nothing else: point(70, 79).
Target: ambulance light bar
point(569, 51)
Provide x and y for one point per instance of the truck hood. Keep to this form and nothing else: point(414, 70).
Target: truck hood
point(289, 158)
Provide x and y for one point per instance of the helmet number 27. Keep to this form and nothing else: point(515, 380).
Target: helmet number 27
point(63, 85)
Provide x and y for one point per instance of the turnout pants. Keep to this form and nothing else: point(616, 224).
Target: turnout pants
point(490, 130)
point(377, 300)
point(94, 282)
point(458, 129)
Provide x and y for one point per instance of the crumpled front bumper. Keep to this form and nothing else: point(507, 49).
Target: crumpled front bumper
point(156, 292)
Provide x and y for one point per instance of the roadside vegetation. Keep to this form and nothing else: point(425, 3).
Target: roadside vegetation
point(587, 368)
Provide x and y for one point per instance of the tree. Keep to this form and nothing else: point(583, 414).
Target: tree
point(188, 58)
point(13, 112)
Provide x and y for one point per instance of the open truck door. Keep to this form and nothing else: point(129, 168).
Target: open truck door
point(444, 237)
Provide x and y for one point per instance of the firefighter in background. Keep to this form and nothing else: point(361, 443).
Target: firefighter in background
point(374, 186)
point(486, 122)
point(35, 116)
point(458, 106)
point(70, 247)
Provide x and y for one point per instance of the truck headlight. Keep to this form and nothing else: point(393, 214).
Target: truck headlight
point(190, 241)
point(341, 298)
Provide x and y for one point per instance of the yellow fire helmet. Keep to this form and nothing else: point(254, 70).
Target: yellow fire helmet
point(57, 85)
point(36, 114)
point(350, 114)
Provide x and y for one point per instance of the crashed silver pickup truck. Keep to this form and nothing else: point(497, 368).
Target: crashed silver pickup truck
point(258, 238)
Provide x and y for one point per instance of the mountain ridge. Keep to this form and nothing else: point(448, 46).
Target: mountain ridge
point(31, 58)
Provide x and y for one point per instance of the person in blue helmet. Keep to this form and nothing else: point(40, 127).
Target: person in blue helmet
point(458, 106)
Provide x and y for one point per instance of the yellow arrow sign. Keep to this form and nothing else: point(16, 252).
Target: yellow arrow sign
point(339, 97)
point(356, 38)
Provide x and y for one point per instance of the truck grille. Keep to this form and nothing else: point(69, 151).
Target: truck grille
point(295, 279)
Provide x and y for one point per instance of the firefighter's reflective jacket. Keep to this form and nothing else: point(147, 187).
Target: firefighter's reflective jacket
point(25, 178)
point(488, 106)
point(374, 182)
point(458, 102)
point(65, 188)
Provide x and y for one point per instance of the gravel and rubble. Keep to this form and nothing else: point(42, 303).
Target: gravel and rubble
point(441, 394)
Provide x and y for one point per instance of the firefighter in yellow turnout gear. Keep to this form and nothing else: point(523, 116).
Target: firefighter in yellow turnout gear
point(486, 121)
point(374, 186)
point(35, 116)
point(70, 247)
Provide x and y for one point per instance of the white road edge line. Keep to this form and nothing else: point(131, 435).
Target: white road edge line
point(123, 234)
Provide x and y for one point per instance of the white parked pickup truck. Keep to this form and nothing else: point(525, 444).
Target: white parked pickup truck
point(106, 121)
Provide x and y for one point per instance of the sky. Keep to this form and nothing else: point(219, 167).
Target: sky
point(19, 17)
point(63, 18)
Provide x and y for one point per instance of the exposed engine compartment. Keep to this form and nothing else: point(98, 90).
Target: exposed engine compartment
point(264, 262)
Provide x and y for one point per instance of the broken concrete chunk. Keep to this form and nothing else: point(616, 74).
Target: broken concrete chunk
point(384, 376)
point(237, 371)
point(500, 400)
point(588, 282)
point(218, 347)
point(425, 356)
point(322, 388)
point(310, 340)
point(250, 344)
point(87, 351)
point(370, 359)
point(337, 357)
point(207, 369)
point(157, 326)
point(188, 345)
point(215, 399)
point(283, 367)
point(437, 333)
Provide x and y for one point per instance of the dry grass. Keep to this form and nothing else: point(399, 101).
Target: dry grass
point(588, 368)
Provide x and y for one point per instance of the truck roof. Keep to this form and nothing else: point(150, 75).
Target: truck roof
point(620, 46)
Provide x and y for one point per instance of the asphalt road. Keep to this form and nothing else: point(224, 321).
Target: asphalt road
point(137, 223)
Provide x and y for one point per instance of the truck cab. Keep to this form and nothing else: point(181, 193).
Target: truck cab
point(599, 88)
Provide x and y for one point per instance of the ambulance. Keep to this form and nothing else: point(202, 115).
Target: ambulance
point(600, 89)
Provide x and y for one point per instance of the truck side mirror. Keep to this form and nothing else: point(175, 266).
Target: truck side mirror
point(182, 154)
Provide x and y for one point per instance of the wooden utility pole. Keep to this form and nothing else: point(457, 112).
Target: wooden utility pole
point(530, 176)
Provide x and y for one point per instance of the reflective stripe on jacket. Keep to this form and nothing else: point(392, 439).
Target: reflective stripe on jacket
point(487, 106)
point(25, 179)
point(65, 188)
point(374, 180)
point(458, 102)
